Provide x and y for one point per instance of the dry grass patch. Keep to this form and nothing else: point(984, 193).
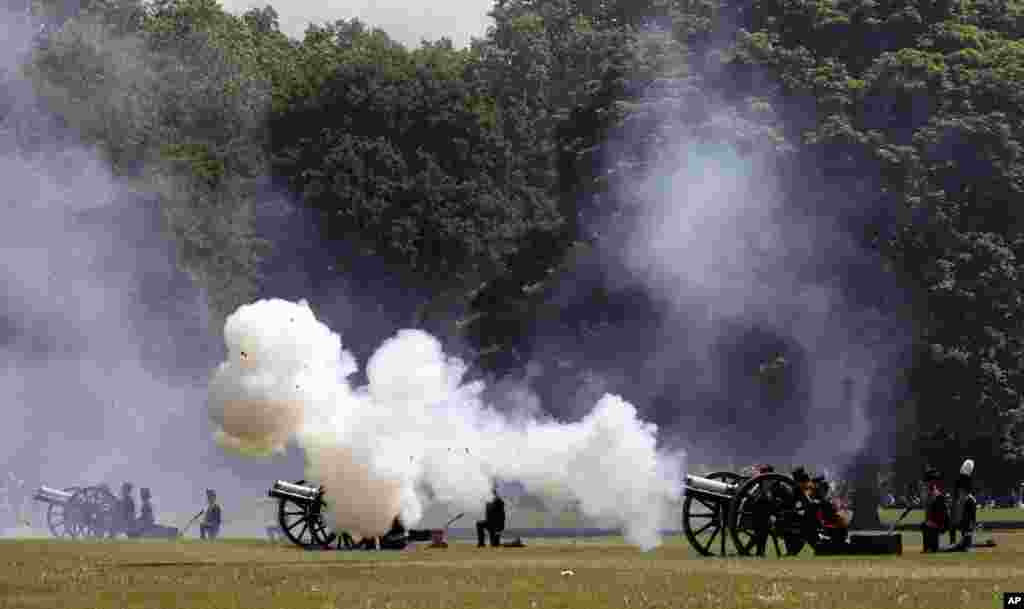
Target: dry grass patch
point(258, 575)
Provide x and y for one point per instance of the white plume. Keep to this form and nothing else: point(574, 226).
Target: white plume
point(417, 424)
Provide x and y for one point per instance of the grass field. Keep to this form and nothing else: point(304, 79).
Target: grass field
point(243, 574)
point(1003, 514)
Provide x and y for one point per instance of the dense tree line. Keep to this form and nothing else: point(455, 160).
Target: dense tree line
point(479, 175)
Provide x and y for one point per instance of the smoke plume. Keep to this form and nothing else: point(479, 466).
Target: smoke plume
point(104, 342)
point(779, 329)
point(418, 433)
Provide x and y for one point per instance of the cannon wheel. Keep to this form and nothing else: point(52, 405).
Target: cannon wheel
point(711, 517)
point(779, 496)
point(304, 524)
point(57, 517)
point(92, 510)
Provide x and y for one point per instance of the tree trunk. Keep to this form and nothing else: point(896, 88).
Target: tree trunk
point(866, 496)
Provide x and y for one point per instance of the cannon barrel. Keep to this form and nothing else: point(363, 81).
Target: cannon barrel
point(51, 495)
point(710, 488)
point(297, 492)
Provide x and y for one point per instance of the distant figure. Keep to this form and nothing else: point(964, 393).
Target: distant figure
point(126, 511)
point(493, 523)
point(146, 520)
point(210, 527)
point(936, 510)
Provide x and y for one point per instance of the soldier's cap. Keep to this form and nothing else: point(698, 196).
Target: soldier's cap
point(819, 480)
point(765, 469)
point(800, 475)
point(211, 492)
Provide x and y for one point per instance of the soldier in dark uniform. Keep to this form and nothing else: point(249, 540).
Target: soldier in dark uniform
point(936, 510)
point(126, 511)
point(147, 520)
point(761, 511)
point(965, 510)
point(493, 523)
point(807, 505)
point(210, 527)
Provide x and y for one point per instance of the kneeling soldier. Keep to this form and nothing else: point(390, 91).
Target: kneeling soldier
point(493, 523)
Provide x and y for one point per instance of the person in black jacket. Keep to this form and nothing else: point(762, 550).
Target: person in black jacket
point(493, 523)
point(210, 527)
point(147, 519)
point(126, 511)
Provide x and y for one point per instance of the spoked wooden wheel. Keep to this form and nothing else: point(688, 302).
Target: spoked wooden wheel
point(705, 520)
point(92, 512)
point(767, 515)
point(58, 519)
point(304, 524)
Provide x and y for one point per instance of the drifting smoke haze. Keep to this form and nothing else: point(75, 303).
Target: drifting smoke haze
point(416, 433)
point(105, 344)
point(776, 336)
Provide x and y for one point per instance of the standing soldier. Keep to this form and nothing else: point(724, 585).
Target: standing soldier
point(147, 520)
point(210, 527)
point(965, 509)
point(936, 510)
point(806, 505)
point(493, 523)
point(126, 511)
point(762, 510)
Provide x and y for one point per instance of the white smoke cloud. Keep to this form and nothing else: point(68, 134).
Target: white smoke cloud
point(713, 233)
point(416, 424)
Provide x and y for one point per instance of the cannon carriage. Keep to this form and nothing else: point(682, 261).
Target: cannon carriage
point(724, 509)
point(723, 512)
point(79, 512)
point(300, 515)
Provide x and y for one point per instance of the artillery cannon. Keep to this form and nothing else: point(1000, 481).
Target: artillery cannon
point(300, 514)
point(768, 505)
point(78, 511)
point(302, 506)
point(725, 504)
